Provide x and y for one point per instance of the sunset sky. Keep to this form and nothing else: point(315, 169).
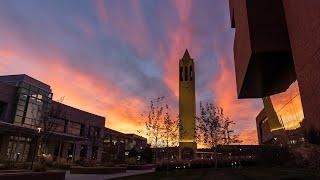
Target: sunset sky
point(112, 57)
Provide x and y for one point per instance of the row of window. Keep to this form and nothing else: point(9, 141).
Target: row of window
point(186, 74)
point(74, 128)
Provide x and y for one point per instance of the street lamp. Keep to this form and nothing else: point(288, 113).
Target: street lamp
point(36, 146)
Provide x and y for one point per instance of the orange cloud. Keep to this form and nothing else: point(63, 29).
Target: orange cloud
point(249, 136)
point(7, 54)
point(241, 111)
point(84, 91)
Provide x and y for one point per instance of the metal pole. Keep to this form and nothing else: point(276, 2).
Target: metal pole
point(34, 151)
point(36, 147)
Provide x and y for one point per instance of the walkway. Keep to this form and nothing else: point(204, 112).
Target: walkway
point(105, 176)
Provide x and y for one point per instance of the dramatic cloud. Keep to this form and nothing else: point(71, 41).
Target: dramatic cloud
point(112, 57)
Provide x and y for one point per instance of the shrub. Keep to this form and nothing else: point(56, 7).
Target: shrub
point(307, 155)
point(273, 155)
point(46, 159)
point(108, 164)
point(61, 164)
point(131, 161)
point(39, 167)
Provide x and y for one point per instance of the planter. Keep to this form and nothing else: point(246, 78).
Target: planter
point(29, 175)
point(96, 170)
point(140, 167)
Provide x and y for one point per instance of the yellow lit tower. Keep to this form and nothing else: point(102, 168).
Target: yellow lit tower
point(187, 107)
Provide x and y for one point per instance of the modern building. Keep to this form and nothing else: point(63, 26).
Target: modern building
point(277, 44)
point(187, 107)
point(280, 120)
point(31, 123)
point(263, 128)
point(118, 145)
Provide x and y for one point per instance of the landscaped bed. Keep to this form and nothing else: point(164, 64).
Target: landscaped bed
point(140, 167)
point(30, 175)
point(96, 170)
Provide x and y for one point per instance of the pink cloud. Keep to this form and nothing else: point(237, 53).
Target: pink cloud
point(240, 110)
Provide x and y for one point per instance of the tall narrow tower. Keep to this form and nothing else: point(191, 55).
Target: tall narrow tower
point(187, 107)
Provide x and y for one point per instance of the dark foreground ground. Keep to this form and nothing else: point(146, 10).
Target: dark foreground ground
point(273, 173)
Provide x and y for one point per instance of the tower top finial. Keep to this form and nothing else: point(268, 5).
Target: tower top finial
point(186, 54)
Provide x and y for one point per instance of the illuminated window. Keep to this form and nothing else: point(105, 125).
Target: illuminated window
point(288, 107)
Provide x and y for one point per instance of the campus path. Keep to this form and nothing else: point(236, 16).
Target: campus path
point(105, 176)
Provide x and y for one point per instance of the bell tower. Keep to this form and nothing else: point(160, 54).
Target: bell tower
point(187, 107)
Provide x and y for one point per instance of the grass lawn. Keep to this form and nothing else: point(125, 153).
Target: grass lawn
point(229, 173)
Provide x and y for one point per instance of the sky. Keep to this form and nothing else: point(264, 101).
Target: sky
point(112, 57)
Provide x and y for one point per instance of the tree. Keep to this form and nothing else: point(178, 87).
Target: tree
point(209, 126)
point(213, 128)
point(169, 129)
point(228, 136)
point(161, 129)
point(153, 123)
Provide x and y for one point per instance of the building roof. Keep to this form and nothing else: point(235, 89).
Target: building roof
point(15, 79)
point(78, 114)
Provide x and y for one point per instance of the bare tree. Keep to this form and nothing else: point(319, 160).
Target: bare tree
point(161, 129)
point(228, 136)
point(170, 129)
point(153, 123)
point(209, 126)
point(214, 128)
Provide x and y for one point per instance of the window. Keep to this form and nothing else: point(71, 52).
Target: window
point(288, 107)
point(32, 106)
point(186, 73)
point(94, 154)
point(191, 73)
point(2, 109)
point(74, 128)
point(181, 73)
point(59, 125)
point(83, 151)
point(94, 131)
point(82, 130)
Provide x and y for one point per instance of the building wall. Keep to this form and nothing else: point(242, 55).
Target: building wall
point(263, 128)
point(288, 35)
point(91, 123)
point(303, 23)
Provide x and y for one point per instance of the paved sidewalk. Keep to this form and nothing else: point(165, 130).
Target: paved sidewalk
point(105, 176)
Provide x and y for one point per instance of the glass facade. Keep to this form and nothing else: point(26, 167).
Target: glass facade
point(288, 107)
point(18, 148)
point(33, 106)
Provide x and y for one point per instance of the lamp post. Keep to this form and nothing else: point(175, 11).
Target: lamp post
point(36, 146)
